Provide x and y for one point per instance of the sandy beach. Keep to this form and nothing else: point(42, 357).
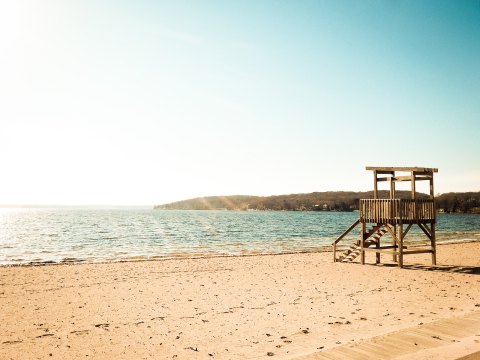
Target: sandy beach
point(269, 306)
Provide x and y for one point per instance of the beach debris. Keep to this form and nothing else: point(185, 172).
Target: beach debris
point(12, 342)
point(103, 326)
point(192, 348)
point(45, 335)
point(270, 353)
point(79, 332)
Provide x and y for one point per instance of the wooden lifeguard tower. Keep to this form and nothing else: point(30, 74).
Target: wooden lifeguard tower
point(394, 216)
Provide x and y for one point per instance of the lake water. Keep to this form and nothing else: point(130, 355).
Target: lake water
point(93, 235)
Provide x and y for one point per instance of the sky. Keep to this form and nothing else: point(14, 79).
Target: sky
point(146, 102)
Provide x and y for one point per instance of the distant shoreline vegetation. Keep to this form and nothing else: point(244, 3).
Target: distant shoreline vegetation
point(465, 202)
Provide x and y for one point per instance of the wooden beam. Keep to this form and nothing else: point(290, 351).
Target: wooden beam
point(400, 245)
point(392, 188)
point(393, 232)
point(413, 188)
point(382, 172)
point(417, 252)
point(426, 173)
point(381, 248)
point(433, 244)
point(385, 251)
point(409, 178)
point(432, 195)
point(403, 178)
point(402, 168)
point(347, 231)
point(406, 231)
point(362, 244)
point(377, 246)
point(426, 230)
point(389, 229)
point(422, 178)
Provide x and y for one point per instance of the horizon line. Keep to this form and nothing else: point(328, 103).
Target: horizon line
point(104, 205)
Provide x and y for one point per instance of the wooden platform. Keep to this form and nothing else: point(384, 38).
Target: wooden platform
point(454, 338)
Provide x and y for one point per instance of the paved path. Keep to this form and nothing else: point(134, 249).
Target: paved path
point(454, 338)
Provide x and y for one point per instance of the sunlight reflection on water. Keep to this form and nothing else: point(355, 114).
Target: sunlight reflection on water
point(72, 235)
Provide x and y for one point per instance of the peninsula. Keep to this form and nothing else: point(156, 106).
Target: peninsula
point(454, 202)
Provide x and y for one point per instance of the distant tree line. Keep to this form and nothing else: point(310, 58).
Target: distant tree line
point(467, 202)
point(320, 201)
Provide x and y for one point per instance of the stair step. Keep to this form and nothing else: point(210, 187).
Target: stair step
point(371, 238)
point(352, 253)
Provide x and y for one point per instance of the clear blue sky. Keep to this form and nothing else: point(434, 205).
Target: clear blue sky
point(146, 102)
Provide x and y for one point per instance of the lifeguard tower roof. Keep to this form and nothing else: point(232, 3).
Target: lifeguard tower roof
point(403, 169)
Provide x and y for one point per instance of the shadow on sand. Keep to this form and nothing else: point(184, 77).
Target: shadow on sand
point(472, 270)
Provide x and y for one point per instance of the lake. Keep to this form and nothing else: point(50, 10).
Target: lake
point(43, 235)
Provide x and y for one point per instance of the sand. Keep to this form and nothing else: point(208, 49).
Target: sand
point(272, 306)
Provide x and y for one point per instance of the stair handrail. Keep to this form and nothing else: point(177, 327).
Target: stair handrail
point(353, 226)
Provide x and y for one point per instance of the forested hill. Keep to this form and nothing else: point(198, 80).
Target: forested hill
point(318, 201)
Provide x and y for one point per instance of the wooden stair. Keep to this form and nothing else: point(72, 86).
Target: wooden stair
point(371, 237)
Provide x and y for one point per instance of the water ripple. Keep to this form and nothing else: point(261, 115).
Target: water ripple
point(75, 235)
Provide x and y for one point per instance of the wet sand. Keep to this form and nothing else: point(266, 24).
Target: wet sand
point(272, 306)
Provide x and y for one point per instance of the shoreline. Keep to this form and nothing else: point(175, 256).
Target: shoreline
point(321, 249)
point(232, 307)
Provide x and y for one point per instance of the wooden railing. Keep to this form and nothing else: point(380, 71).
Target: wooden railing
point(394, 211)
point(353, 226)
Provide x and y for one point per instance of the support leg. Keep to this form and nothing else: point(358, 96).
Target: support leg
point(377, 246)
point(433, 245)
point(362, 243)
point(395, 243)
point(400, 245)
